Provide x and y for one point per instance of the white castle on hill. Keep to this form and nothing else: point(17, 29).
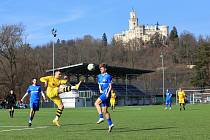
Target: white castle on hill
point(141, 31)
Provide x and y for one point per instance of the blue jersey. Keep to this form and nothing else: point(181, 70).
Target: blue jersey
point(168, 95)
point(104, 80)
point(34, 92)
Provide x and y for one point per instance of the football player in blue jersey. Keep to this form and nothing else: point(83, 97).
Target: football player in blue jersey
point(34, 91)
point(168, 99)
point(105, 86)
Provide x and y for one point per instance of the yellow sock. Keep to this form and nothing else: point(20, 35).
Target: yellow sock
point(66, 89)
point(59, 112)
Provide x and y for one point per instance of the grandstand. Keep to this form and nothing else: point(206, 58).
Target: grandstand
point(119, 88)
point(127, 94)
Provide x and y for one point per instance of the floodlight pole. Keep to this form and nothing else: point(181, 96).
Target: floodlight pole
point(54, 35)
point(126, 88)
point(161, 56)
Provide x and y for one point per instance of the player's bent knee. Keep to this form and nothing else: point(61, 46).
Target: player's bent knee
point(61, 106)
point(104, 111)
point(107, 115)
point(97, 104)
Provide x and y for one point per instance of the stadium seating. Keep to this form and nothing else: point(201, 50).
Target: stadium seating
point(119, 88)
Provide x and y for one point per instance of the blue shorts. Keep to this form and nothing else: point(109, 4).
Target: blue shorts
point(105, 100)
point(168, 102)
point(34, 106)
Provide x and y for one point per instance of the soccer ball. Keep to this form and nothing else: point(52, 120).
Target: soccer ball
point(91, 67)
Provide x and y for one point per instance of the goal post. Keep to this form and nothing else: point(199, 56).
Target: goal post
point(196, 95)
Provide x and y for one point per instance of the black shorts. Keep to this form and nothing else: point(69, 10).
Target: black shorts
point(9, 106)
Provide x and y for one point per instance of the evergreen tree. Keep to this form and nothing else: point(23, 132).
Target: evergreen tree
point(104, 39)
point(201, 75)
point(173, 34)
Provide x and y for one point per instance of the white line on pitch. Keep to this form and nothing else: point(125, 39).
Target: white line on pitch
point(11, 126)
point(20, 129)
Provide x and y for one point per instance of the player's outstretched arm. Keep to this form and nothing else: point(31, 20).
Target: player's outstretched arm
point(110, 88)
point(45, 80)
point(24, 96)
point(43, 96)
point(100, 90)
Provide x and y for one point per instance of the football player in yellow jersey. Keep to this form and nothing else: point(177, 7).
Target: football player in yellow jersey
point(113, 99)
point(181, 97)
point(54, 89)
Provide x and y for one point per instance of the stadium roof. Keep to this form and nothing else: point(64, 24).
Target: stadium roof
point(81, 69)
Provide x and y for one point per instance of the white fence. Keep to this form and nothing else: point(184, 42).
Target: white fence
point(196, 96)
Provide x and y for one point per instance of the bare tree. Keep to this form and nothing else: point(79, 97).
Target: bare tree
point(10, 41)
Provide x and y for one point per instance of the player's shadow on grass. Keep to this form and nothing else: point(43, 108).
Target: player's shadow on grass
point(71, 124)
point(126, 129)
point(192, 109)
point(142, 129)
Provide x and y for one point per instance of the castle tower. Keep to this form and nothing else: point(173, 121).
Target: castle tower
point(133, 21)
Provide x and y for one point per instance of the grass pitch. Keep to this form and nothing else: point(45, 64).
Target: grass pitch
point(131, 123)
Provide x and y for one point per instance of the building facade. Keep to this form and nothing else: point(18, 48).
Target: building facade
point(144, 32)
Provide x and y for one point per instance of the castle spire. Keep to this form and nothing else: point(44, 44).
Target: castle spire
point(133, 21)
point(157, 28)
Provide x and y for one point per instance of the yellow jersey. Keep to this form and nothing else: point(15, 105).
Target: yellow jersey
point(181, 95)
point(52, 85)
point(112, 99)
point(113, 95)
point(52, 82)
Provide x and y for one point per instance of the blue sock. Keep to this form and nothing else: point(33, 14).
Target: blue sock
point(109, 121)
point(101, 116)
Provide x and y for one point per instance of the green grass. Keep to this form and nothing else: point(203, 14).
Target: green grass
point(131, 123)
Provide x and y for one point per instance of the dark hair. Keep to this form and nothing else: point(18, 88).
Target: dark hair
point(102, 65)
point(33, 78)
